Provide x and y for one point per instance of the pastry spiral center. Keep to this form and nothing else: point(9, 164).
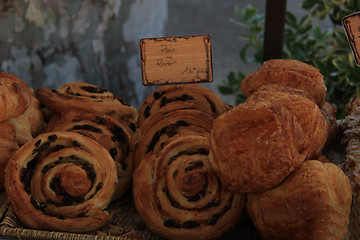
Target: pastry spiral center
point(75, 181)
point(191, 183)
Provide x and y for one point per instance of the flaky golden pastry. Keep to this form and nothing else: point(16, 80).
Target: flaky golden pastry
point(110, 133)
point(61, 181)
point(8, 147)
point(306, 112)
point(290, 73)
point(169, 125)
point(254, 146)
point(329, 113)
point(20, 108)
point(174, 97)
point(313, 203)
point(179, 197)
point(85, 97)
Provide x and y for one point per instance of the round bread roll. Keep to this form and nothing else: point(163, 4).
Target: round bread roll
point(312, 203)
point(290, 73)
point(254, 146)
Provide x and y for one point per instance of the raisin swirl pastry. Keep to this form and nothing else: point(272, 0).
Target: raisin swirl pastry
point(174, 97)
point(179, 197)
point(85, 97)
point(167, 126)
point(61, 181)
point(110, 133)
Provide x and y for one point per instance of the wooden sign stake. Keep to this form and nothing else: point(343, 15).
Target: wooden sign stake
point(176, 60)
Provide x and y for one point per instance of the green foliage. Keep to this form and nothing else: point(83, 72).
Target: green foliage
point(306, 41)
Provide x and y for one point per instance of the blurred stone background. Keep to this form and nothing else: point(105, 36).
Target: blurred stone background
point(51, 42)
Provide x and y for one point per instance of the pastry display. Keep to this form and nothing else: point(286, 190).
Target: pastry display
point(20, 117)
point(85, 97)
point(254, 146)
point(312, 203)
point(61, 181)
point(179, 197)
point(189, 165)
point(290, 73)
point(307, 113)
point(114, 136)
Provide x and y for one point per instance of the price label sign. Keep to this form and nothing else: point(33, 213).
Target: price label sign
point(176, 60)
point(351, 25)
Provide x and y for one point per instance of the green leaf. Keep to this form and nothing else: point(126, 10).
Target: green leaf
point(250, 11)
point(308, 4)
point(341, 64)
point(290, 19)
point(225, 89)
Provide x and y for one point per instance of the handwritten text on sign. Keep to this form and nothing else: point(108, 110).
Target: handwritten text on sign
point(175, 60)
point(351, 25)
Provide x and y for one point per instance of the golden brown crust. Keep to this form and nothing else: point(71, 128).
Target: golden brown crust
point(179, 197)
point(85, 97)
point(306, 112)
point(290, 73)
point(8, 147)
point(329, 113)
point(312, 203)
point(20, 108)
point(167, 126)
point(36, 178)
point(254, 146)
point(174, 97)
point(110, 133)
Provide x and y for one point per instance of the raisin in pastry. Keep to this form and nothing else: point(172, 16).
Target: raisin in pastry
point(85, 97)
point(174, 97)
point(110, 133)
point(167, 126)
point(61, 181)
point(178, 195)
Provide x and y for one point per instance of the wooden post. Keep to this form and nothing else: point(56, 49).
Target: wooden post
point(274, 29)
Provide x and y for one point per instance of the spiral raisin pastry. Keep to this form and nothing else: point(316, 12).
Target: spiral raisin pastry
point(85, 97)
point(290, 73)
point(312, 203)
point(167, 126)
point(255, 146)
point(174, 97)
point(110, 133)
point(179, 197)
point(307, 113)
point(61, 181)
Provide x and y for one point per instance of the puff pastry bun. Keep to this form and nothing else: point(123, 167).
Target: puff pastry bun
point(254, 146)
point(307, 113)
point(290, 73)
point(312, 203)
point(61, 181)
point(179, 197)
